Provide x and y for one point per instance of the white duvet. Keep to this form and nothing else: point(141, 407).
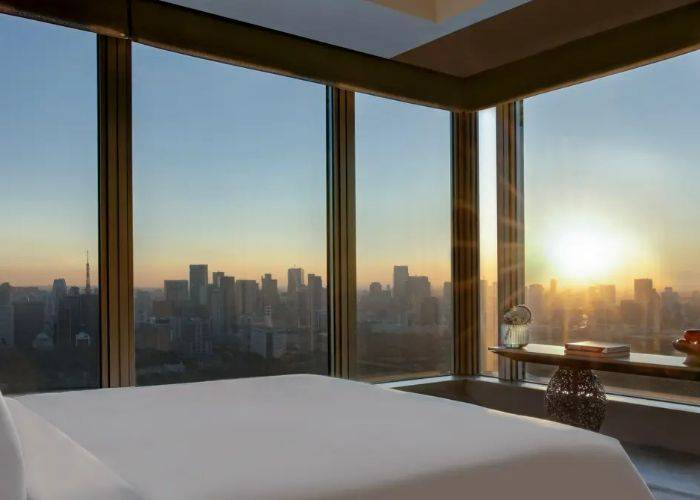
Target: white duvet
point(309, 437)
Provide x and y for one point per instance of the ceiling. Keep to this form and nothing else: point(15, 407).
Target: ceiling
point(457, 37)
point(383, 28)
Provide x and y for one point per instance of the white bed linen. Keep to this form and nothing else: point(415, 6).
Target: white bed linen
point(310, 437)
point(57, 468)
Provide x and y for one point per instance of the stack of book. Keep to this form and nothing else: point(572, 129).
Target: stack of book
point(597, 349)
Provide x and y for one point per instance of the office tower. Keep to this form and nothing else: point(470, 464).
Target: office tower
point(654, 312)
point(446, 306)
point(176, 291)
point(228, 299)
point(216, 278)
point(59, 289)
point(5, 294)
point(270, 293)
point(7, 326)
point(199, 280)
point(29, 322)
point(247, 297)
point(400, 282)
point(315, 286)
point(643, 290)
point(295, 280)
point(215, 301)
point(417, 288)
point(143, 305)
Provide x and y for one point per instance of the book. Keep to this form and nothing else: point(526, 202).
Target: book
point(594, 354)
point(597, 347)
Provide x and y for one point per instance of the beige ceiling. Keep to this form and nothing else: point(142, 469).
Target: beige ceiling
point(432, 10)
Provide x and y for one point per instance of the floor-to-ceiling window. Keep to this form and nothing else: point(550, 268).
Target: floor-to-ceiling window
point(49, 306)
point(404, 291)
point(488, 241)
point(229, 179)
point(611, 214)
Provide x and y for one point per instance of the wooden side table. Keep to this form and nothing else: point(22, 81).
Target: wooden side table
point(574, 395)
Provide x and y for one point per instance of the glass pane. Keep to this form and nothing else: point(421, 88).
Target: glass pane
point(403, 240)
point(488, 240)
point(49, 308)
point(229, 221)
point(611, 176)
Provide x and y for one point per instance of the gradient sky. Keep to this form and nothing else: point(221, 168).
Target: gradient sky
point(229, 170)
point(612, 175)
point(48, 152)
point(403, 190)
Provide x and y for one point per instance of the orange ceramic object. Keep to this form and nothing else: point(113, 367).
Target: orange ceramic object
point(691, 349)
point(692, 336)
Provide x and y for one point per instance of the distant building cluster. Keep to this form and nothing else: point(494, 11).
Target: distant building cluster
point(44, 320)
point(647, 320)
point(192, 317)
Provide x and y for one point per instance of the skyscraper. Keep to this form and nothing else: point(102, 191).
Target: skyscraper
point(7, 326)
point(59, 288)
point(247, 297)
point(400, 282)
point(199, 280)
point(176, 291)
point(315, 291)
point(228, 299)
point(295, 280)
point(270, 293)
point(643, 290)
point(5, 292)
point(216, 278)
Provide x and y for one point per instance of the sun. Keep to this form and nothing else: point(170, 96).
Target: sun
point(586, 255)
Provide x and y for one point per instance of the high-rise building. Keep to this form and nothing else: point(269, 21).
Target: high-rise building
point(643, 290)
point(270, 293)
point(5, 294)
point(59, 288)
point(228, 299)
point(216, 278)
point(400, 282)
point(215, 301)
point(199, 281)
point(7, 326)
point(176, 291)
point(417, 289)
point(315, 285)
point(295, 280)
point(247, 292)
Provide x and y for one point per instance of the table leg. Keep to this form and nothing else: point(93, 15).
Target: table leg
point(576, 397)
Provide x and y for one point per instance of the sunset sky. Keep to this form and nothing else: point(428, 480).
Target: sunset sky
point(229, 170)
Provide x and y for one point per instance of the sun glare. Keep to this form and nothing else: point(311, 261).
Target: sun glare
point(585, 255)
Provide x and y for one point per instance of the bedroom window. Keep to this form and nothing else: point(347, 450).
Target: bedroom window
point(229, 221)
point(403, 240)
point(49, 304)
point(611, 215)
point(488, 241)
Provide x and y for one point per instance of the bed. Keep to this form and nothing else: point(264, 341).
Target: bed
point(303, 437)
